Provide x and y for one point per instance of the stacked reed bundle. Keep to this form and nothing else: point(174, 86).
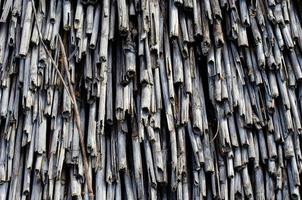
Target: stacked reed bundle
point(150, 99)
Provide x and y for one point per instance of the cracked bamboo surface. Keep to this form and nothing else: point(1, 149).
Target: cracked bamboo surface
point(176, 99)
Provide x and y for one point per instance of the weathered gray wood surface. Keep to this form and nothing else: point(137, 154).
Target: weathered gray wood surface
point(150, 99)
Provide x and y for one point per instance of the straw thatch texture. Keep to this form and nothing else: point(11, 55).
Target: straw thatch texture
point(150, 99)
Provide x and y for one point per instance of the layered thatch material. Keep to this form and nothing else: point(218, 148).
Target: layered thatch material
point(150, 99)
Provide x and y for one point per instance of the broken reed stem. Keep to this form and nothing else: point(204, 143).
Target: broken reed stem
point(71, 94)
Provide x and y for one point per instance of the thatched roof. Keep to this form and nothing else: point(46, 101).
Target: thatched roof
point(150, 99)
